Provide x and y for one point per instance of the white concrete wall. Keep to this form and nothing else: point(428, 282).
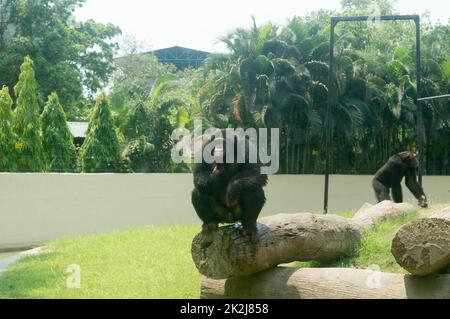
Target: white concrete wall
point(35, 208)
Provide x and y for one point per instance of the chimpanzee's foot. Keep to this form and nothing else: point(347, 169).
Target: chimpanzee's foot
point(209, 228)
point(252, 234)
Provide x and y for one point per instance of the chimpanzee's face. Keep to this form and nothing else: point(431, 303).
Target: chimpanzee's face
point(224, 169)
point(221, 168)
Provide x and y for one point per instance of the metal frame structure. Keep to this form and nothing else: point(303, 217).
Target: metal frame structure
point(331, 91)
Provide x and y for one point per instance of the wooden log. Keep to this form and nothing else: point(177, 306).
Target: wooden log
point(285, 239)
point(370, 215)
point(326, 283)
point(422, 247)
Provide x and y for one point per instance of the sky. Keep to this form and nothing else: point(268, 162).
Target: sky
point(198, 24)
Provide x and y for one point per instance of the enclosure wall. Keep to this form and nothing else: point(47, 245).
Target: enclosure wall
point(35, 208)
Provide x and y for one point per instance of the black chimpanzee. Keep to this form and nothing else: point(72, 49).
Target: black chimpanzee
point(229, 192)
point(391, 175)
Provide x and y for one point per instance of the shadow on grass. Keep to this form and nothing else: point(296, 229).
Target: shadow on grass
point(342, 262)
point(24, 279)
point(445, 271)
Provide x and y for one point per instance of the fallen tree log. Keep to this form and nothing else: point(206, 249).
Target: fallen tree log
point(422, 247)
point(326, 283)
point(285, 239)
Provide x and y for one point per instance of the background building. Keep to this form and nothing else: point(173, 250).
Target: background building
point(181, 57)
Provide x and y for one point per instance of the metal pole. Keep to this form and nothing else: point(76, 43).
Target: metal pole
point(381, 18)
point(420, 123)
point(431, 98)
point(328, 122)
point(328, 117)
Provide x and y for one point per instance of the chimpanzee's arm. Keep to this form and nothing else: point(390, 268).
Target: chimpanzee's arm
point(412, 184)
point(250, 179)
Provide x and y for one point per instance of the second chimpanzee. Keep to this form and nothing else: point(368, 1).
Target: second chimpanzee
point(229, 192)
point(390, 176)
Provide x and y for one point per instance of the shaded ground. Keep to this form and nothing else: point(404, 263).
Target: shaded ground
point(7, 255)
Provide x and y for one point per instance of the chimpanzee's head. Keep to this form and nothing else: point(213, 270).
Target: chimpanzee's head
point(410, 159)
point(222, 167)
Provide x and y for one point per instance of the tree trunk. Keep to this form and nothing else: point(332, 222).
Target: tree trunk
point(326, 283)
point(422, 247)
point(306, 151)
point(285, 239)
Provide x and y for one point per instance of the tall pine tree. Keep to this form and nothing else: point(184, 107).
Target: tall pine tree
point(27, 124)
point(7, 137)
point(101, 151)
point(60, 152)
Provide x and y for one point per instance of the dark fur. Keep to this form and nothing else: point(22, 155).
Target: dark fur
point(229, 193)
point(390, 176)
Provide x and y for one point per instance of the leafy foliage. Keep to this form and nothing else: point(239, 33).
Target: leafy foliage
point(273, 76)
point(7, 136)
point(100, 151)
point(135, 75)
point(278, 77)
point(27, 123)
point(60, 152)
point(138, 155)
point(69, 55)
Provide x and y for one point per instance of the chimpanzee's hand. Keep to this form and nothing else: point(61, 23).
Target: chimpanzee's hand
point(423, 202)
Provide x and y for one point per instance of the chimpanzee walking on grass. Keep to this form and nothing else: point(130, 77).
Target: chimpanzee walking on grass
point(390, 176)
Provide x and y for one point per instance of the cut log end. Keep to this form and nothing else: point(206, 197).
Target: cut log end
point(423, 246)
point(210, 255)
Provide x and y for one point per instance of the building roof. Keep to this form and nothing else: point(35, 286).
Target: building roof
point(181, 57)
point(78, 129)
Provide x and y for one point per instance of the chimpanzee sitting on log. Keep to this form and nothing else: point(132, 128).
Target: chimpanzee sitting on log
point(229, 192)
point(390, 176)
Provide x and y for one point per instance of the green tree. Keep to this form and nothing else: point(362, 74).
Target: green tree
point(135, 75)
point(173, 104)
point(60, 152)
point(101, 151)
point(27, 124)
point(7, 137)
point(137, 129)
point(70, 56)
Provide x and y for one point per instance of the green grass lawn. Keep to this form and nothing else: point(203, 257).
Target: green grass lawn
point(147, 262)
point(152, 262)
